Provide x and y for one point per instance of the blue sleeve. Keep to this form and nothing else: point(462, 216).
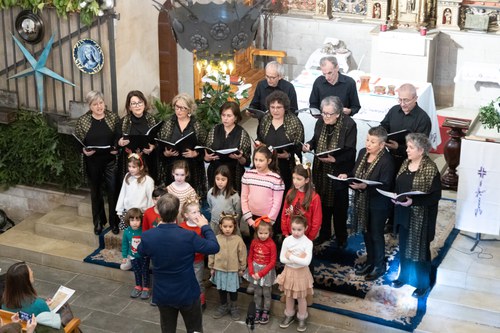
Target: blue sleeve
point(208, 244)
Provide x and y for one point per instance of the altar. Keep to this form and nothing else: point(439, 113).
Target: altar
point(373, 106)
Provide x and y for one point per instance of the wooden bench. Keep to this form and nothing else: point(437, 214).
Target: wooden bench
point(244, 66)
point(72, 326)
point(9, 104)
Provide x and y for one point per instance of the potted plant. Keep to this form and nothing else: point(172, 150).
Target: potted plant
point(489, 115)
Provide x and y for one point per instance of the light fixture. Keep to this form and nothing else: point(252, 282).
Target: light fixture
point(214, 31)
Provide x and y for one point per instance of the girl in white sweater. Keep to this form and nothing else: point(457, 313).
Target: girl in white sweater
point(296, 280)
point(136, 189)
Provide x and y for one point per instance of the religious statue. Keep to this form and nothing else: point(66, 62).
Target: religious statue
point(447, 16)
point(376, 11)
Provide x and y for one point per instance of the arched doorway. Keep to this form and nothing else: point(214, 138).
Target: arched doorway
point(168, 59)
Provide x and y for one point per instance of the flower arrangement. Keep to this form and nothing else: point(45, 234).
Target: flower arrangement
point(489, 115)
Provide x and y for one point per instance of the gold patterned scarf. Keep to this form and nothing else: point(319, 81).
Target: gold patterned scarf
point(416, 249)
point(362, 198)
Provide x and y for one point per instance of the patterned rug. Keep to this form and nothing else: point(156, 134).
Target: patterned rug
point(337, 288)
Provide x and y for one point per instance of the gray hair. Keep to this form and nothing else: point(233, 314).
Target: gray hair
point(280, 69)
point(168, 207)
point(330, 59)
point(332, 100)
point(408, 87)
point(420, 140)
point(93, 96)
point(378, 131)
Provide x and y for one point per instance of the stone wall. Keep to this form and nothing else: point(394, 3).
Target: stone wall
point(300, 36)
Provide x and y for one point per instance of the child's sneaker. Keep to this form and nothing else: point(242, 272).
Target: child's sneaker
point(136, 292)
point(221, 311)
point(235, 312)
point(145, 294)
point(302, 325)
point(287, 321)
point(264, 318)
point(258, 313)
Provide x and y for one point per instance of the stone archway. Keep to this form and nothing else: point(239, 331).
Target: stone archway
point(168, 59)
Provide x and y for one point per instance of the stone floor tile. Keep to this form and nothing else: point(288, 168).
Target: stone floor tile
point(52, 275)
point(45, 289)
point(123, 291)
point(146, 327)
point(101, 302)
point(110, 322)
point(5, 263)
point(94, 284)
point(80, 312)
point(141, 310)
point(89, 329)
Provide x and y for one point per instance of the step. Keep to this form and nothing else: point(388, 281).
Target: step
point(64, 223)
point(478, 271)
point(22, 243)
point(435, 323)
point(462, 304)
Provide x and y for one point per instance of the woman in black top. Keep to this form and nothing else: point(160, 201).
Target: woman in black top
point(371, 209)
point(183, 125)
point(415, 216)
point(228, 135)
point(132, 130)
point(97, 128)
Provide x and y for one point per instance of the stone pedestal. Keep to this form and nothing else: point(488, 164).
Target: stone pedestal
point(447, 14)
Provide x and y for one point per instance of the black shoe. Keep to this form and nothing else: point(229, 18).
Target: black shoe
point(375, 274)
point(365, 269)
point(419, 292)
point(97, 229)
point(397, 284)
point(115, 230)
point(342, 244)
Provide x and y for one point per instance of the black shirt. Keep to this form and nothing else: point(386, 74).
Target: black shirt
point(417, 121)
point(263, 90)
point(344, 88)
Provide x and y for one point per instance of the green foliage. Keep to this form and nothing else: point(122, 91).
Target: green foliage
point(214, 96)
point(63, 7)
point(32, 153)
point(489, 116)
point(164, 110)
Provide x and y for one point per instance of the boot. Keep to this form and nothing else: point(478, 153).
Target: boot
point(221, 311)
point(203, 301)
point(235, 312)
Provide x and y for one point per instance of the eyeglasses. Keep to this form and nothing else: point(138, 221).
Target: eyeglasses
point(135, 104)
point(405, 100)
point(272, 77)
point(327, 115)
point(181, 108)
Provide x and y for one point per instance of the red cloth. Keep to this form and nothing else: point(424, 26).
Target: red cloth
point(444, 135)
point(150, 219)
point(263, 253)
point(314, 215)
point(198, 256)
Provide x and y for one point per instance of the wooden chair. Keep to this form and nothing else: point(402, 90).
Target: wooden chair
point(244, 66)
point(72, 326)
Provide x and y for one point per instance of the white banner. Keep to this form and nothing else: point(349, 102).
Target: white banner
point(478, 197)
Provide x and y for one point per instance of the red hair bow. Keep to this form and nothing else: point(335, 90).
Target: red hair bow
point(264, 218)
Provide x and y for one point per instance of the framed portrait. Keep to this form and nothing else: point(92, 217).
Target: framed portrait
point(88, 56)
point(29, 26)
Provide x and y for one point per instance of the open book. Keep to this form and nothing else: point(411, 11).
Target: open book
point(62, 295)
point(90, 147)
point(396, 196)
point(333, 152)
point(141, 141)
point(398, 136)
point(281, 148)
point(355, 180)
point(218, 151)
point(256, 112)
point(180, 145)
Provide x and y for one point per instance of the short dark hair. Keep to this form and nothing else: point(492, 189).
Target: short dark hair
point(379, 132)
point(168, 207)
point(280, 97)
point(132, 212)
point(235, 109)
point(299, 219)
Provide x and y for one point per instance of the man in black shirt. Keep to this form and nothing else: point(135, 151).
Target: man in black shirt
point(407, 115)
point(332, 83)
point(274, 81)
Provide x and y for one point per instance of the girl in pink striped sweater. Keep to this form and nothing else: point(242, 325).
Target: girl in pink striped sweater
point(261, 188)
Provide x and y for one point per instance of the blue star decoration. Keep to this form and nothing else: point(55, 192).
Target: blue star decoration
point(38, 69)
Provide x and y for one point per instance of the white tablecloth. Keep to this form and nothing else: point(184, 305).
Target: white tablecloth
point(478, 207)
point(373, 106)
